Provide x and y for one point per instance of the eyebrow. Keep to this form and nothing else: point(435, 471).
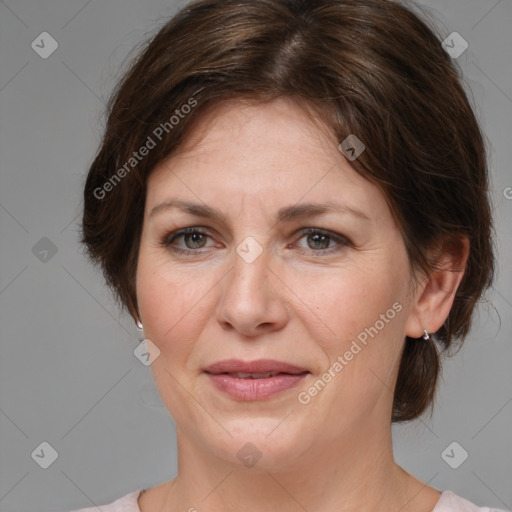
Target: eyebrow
point(285, 214)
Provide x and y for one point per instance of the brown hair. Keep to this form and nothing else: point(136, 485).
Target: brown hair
point(371, 68)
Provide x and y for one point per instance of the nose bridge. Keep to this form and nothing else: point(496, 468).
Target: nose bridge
point(250, 250)
point(249, 300)
point(250, 263)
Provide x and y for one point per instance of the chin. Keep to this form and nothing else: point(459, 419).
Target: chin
point(260, 444)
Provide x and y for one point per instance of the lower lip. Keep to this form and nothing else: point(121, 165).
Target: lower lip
point(255, 389)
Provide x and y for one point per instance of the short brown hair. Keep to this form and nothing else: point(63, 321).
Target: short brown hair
point(371, 68)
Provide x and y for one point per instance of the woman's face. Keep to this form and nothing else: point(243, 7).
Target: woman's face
point(292, 264)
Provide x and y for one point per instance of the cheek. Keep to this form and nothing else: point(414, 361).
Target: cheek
point(365, 310)
point(345, 303)
point(173, 308)
point(172, 304)
point(368, 318)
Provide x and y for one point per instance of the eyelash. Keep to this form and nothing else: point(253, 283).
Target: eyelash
point(173, 236)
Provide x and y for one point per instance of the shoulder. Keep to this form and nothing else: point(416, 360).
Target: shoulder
point(127, 503)
point(450, 502)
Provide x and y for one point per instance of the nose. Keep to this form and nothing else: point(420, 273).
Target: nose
point(252, 301)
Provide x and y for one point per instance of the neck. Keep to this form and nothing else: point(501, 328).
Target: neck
point(360, 475)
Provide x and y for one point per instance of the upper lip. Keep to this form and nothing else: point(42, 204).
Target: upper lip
point(256, 366)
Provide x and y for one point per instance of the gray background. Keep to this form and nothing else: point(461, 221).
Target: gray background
point(68, 375)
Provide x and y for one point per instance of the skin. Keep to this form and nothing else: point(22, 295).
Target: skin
point(291, 304)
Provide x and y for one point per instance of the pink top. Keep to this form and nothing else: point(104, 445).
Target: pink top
point(449, 502)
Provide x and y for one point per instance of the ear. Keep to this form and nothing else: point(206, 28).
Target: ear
point(434, 296)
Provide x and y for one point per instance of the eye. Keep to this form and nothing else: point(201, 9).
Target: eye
point(195, 239)
point(191, 240)
point(322, 242)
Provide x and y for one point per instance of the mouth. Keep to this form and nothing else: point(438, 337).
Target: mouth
point(254, 380)
point(266, 375)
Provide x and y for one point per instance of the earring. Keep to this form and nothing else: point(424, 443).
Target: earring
point(425, 335)
point(140, 330)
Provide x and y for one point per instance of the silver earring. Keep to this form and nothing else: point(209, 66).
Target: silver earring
point(425, 335)
point(140, 330)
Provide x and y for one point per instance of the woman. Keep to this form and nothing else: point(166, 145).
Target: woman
point(290, 200)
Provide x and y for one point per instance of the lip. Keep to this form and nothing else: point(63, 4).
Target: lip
point(256, 366)
point(224, 375)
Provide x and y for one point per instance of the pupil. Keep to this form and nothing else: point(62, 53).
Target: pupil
point(195, 239)
point(323, 239)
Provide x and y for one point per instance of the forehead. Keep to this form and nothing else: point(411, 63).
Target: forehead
point(274, 151)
